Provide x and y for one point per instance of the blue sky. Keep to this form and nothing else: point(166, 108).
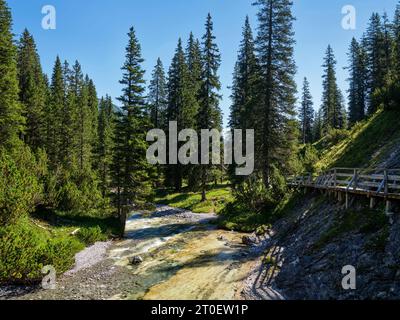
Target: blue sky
point(94, 32)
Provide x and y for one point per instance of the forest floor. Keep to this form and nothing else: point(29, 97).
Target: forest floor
point(185, 256)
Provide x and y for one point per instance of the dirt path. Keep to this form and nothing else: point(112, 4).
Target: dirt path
point(184, 257)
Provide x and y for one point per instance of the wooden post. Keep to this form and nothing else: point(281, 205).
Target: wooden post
point(334, 177)
point(371, 202)
point(386, 183)
point(355, 179)
point(388, 207)
point(347, 200)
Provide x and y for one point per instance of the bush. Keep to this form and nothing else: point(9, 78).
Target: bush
point(389, 95)
point(20, 189)
point(255, 196)
point(71, 190)
point(91, 235)
point(309, 157)
point(24, 250)
point(334, 136)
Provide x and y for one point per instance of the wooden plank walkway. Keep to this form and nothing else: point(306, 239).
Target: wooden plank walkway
point(376, 183)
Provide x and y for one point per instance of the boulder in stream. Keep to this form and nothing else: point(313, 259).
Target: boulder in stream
point(249, 240)
point(136, 260)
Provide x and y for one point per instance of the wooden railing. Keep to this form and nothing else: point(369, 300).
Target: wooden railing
point(377, 182)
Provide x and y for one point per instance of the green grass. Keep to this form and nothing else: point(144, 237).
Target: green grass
point(366, 145)
point(217, 198)
point(45, 238)
point(236, 217)
point(363, 221)
point(25, 248)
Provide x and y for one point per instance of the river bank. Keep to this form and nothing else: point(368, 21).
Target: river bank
point(184, 256)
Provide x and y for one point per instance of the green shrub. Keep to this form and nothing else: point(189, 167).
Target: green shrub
point(334, 136)
point(60, 252)
point(255, 196)
point(91, 235)
point(20, 189)
point(309, 157)
point(24, 250)
point(78, 191)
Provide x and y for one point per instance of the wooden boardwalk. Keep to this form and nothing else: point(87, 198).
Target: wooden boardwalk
point(376, 183)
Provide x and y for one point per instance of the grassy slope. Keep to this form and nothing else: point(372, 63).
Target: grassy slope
point(367, 145)
point(47, 238)
point(217, 198)
point(62, 224)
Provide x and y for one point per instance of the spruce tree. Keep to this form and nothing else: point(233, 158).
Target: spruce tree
point(130, 167)
point(357, 82)
point(332, 99)
point(396, 40)
point(194, 63)
point(275, 136)
point(182, 108)
point(55, 116)
point(318, 125)
point(209, 115)
point(69, 117)
point(244, 90)
point(105, 144)
point(245, 83)
point(93, 113)
point(306, 113)
point(388, 42)
point(85, 126)
point(12, 120)
point(158, 96)
point(32, 91)
point(377, 69)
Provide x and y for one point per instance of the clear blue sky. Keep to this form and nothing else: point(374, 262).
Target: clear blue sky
point(94, 32)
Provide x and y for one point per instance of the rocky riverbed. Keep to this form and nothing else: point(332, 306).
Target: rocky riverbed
point(169, 254)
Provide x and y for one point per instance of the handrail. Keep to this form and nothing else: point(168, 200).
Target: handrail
point(379, 181)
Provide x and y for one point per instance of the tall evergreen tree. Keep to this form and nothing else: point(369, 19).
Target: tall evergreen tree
point(209, 115)
point(194, 63)
point(318, 125)
point(12, 120)
point(306, 113)
point(377, 68)
point(54, 115)
point(69, 118)
point(182, 108)
point(357, 82)
point(32, 91)
point(93, 112)
point(332, 98)
point(105, 147)
point(158, 96)
point(396, 39)
point(244, 89)
point(388, 42)
point(130, 166)
point(275, 132)
point(245, 83)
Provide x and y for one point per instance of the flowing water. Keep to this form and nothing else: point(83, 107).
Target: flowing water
point(185, 256)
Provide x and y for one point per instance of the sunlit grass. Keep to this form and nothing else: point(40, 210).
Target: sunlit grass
point(366, 145)
point(217, 198)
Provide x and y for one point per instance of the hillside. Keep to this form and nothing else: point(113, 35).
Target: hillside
point(375, 142)
point(311, 244)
